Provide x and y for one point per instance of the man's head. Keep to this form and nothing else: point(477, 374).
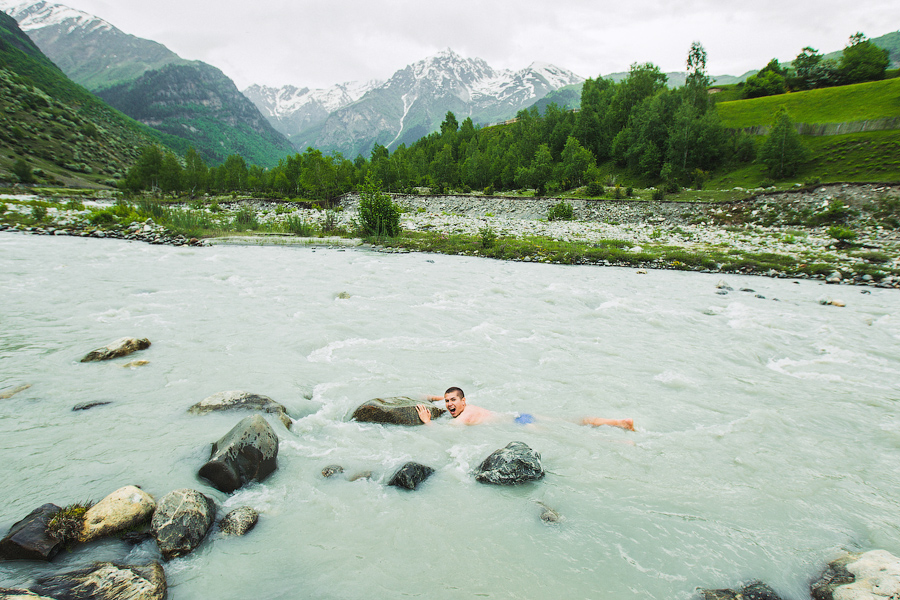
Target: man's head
point(455, 401)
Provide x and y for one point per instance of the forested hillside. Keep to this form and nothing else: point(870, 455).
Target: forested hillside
point(53, 127)
point(203, 107)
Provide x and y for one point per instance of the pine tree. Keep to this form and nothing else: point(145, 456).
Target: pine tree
point(783, 152)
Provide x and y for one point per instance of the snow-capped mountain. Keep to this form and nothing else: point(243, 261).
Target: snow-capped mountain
point(148, 82)
point(88, 49)
point(414, 101)
point(291, 110)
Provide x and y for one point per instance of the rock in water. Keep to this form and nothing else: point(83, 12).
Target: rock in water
point(332, 470)
point(239, 521)
point(120, 347)
point(874, 575)
point(18, 594)
point(410, 475)
point(752, 591)
point(181, 521)
point(7, 393)
point(398, 410)
point(123, 509)
point(106, 581)
point(512, 465)
point(28, 539)
point(248, 452)
point(241, 400)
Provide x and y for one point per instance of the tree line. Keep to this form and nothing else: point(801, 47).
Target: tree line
point(659, 135)
point(860, 61)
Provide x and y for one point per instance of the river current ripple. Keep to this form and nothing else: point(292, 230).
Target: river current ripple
point(767, 439)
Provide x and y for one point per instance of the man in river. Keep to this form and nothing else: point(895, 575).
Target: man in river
point(469, 414)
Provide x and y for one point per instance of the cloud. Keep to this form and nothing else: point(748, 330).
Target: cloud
point(317, 44)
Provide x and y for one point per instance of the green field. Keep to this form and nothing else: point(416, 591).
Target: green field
point(860, 102)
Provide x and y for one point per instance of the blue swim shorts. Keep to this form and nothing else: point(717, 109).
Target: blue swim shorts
point(524, 419)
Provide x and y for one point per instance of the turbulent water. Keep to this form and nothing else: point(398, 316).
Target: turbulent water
point(767, 435)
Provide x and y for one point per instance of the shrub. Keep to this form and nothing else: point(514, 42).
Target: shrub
point(67, 525)
point(594, 189)
point(298, 226)
point(488, 236)
point(39, 212)
point(489, 190)
point(245, 218)
point(629, 191)
point(618, 192)
point(562, 211)
point(74, 205)
point(21, 170)
point(378, 215)
point(3, 208)
point(841, 234)
point(102, 217)
point(329, 224)
point(658, 194)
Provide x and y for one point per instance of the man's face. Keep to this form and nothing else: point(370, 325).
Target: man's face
point(455, 403)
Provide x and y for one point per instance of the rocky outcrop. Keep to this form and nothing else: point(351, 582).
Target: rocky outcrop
point(28, 539)
point(410, 475)
point(874, 575)
point(512, 465)
point(123, 509)
point(106, 581)
point(398, 410)
point(20, 594)
point(752, 591)
point(121, 347)
point(239, 400)
point(239, 521)
point(249, 452)
point(181, 521)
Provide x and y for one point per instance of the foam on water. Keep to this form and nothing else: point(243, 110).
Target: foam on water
point(766, 442)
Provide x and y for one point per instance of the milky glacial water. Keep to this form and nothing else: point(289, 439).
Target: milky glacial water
point(768, 434)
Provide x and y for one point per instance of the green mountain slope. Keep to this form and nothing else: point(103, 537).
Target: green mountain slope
point(859, 102)
point(199, 104)
point(56, 125)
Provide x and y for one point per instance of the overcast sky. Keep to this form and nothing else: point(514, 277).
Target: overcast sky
point(318, 44)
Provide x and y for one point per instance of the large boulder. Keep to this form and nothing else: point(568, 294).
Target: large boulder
point(874, 575)
point(512, 465)
point(123, 509)
point(106, 581)
point(120, 347)
point(239, 521)
point(248, 452)
point(28, 539)
point(238, 400)
point(410, 475)
point(398, 410)
point(181, 521)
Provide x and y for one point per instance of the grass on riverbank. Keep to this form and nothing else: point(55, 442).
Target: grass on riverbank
point(620, 253)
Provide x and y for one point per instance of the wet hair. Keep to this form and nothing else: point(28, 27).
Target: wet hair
point(462, 394)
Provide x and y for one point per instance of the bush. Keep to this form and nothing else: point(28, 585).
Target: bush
point(489, 190)
point(245, 218)
point(378, 215)
point(841, 234)
point(658, 194)
point(595, 189)
point(39, 212)
point(298, 226)
point(562, 211)
point(21, 170)
point(629, 191)
point(102, 217)
point(488, 236)
point(3, 208)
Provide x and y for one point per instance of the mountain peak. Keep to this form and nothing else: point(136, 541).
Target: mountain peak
point(36, 15)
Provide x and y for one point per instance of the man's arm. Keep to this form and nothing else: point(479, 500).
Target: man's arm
point(424, 413)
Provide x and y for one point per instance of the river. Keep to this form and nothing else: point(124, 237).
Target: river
point(767, 439)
